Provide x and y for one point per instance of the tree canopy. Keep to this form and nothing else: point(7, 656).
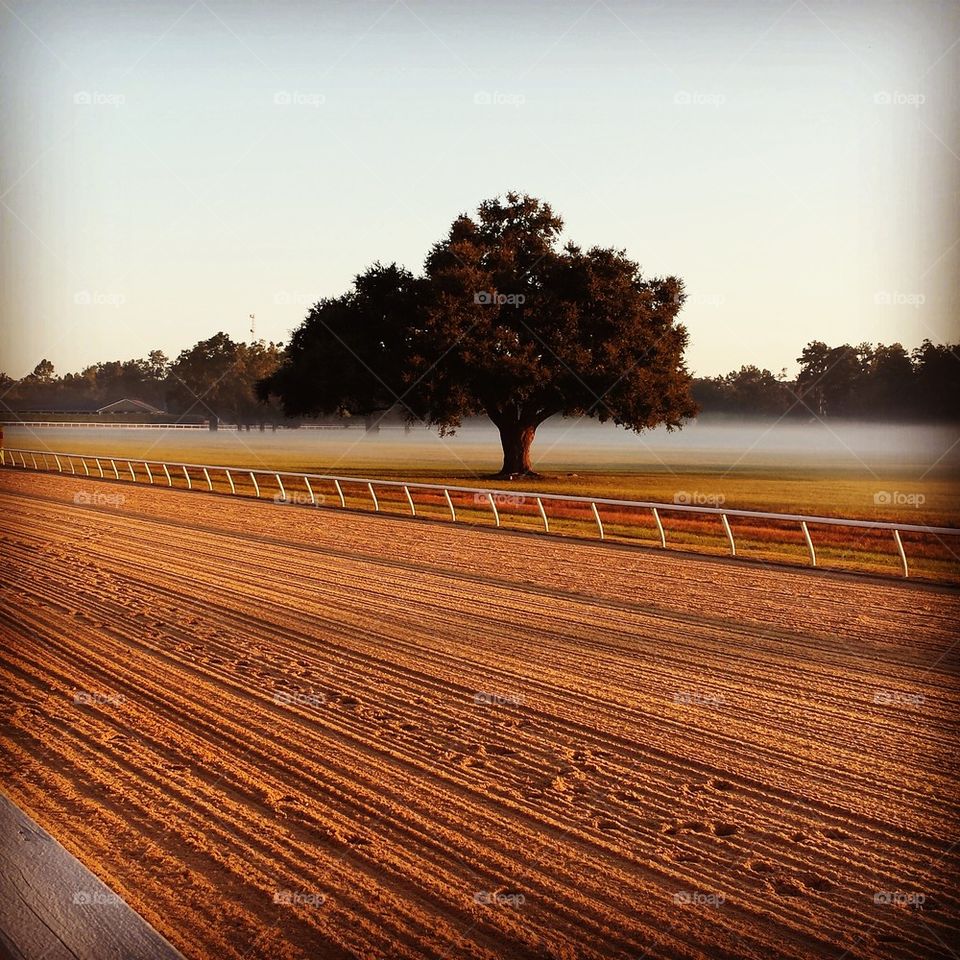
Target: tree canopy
point(503, 322)
point(218, 377)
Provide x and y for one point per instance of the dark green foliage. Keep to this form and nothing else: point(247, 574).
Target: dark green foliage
point(503, 322)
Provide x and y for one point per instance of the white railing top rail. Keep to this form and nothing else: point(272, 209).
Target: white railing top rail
point(500, 492)
point(97, 425)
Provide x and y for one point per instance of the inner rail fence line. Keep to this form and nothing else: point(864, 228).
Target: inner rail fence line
point(94, 425)
point(201, 477)
point(205, 425)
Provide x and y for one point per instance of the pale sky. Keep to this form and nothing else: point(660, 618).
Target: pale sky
point(169, 168)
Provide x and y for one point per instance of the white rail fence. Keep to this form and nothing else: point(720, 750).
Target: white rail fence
point(227, 427)
point(106, 425)
point(158, 472)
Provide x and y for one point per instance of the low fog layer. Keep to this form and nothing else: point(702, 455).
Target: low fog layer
point(560, 444)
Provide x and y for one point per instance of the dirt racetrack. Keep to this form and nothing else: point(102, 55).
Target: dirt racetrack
point(287, 733)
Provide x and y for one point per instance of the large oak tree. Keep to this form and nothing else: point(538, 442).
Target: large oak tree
point(505, 322)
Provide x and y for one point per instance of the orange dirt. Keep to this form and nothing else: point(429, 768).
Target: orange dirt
point(287, 733)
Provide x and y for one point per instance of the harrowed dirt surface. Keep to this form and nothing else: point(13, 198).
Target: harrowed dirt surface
point(281, 732)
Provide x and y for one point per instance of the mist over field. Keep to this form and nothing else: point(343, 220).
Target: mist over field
point(561, 444)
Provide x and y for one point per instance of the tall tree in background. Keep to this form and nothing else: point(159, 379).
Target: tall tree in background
point(155, 366)
point(218, 377)
point(830, 376)
point(890, 384)
point(43, 372)
point(937, 369)
point(505, 323)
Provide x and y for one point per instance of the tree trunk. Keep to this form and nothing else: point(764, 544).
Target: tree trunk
point(516, 439)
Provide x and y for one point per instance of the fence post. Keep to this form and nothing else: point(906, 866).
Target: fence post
point(806, 536)
point(413, 509)
point(283, 493)
point(453, 513)
point(99, 467)
point(256, 486)
point(149, 474)
point(116, 472)
point(596, 516)
point(133, 476)
point(34, 459)
point(543, 513)
point(59, 467)
point(903, 556)
point(376, 505)
point(186, 473)
point(493, 507)
point(73, 469)
point(86, 469)
point(726, 526)
point(336, 483)
point(313, 499)
point(663, 536)
point(169, 478)
point(233, 489)
point(206, 473)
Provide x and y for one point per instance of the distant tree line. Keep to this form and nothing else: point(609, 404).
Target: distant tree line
point(870, 382)
point(218, 377)
point(214, 378)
